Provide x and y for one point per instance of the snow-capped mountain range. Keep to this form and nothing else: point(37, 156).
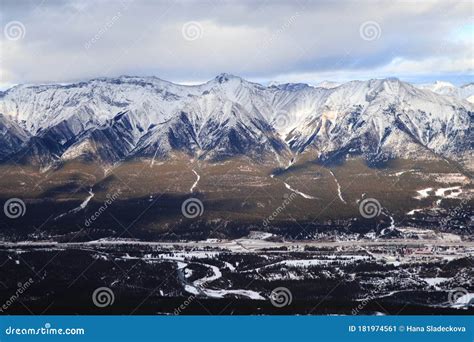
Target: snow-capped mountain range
point(465, 91)
point(113, 119)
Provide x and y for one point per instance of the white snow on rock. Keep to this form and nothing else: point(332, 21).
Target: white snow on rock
point(412, 212)
point(147, 116)
point(435, 281)
point(449, 192)
point(423, 193)
point(446, 88)
point(454, 192)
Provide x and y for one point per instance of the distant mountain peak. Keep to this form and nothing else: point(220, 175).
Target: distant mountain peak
point(328, 84)
point(444, 83)
point(292, 86)
point(225, 77)
point(392, 79)
point(446, 88)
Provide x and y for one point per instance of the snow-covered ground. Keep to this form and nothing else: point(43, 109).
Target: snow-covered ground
point(423, 193)
point(412, 212)
point(449, 192)
point(302, 263)
point(201, 286)
point(435, 281)
point(455, 191)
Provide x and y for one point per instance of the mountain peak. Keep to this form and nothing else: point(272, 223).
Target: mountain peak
point(327, 84)
point(444, 84)
point(392, 79)
point(224, 77)
point(292, 86)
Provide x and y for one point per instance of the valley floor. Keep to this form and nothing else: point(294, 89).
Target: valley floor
point(399, 276)
point(304, 239)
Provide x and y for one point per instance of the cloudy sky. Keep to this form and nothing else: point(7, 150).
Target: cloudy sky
point(192, 41)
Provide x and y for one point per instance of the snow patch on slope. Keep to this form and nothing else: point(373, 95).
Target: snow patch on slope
point(299, 192)
point(196, 182)
point(339, 193)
